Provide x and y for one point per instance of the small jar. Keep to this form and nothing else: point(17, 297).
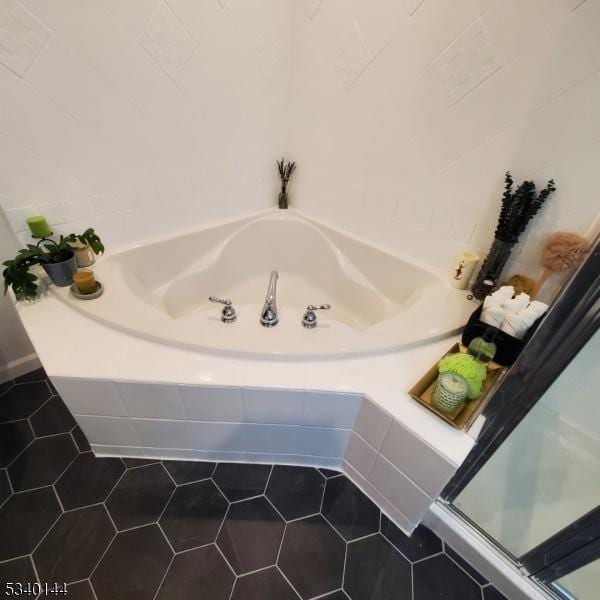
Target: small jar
point(85, 282)
point(449, 392)
point(83, 254)
point(483, 348)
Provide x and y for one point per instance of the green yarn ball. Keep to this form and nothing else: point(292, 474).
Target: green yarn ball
point(468, 367)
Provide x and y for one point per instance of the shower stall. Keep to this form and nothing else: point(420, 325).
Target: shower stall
point(531, 485)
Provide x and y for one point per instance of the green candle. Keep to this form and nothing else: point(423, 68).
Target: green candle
point(39, 226)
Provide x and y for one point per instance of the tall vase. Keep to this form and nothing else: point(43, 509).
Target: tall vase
point(283, 200)
point(492, 267)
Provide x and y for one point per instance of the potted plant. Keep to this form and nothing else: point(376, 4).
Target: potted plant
point(56, 258)
point(286, 170)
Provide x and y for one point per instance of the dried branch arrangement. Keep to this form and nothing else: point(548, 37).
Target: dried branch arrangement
point(286, 170)
point(519, 207)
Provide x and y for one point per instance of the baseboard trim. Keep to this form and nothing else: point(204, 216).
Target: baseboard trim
point(19, 367)
point(476, 550)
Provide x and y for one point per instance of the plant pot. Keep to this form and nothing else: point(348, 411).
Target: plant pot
point(61, 273)
point(492, 267)
point(283, 200)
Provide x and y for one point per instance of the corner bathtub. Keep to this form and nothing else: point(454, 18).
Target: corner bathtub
point(379, 302)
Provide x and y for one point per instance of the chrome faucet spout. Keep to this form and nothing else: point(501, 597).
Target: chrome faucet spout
point(268, 315)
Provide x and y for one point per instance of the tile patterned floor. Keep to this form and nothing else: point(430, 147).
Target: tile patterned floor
point(127, 529)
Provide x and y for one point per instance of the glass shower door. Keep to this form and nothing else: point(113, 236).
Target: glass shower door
point(547, 472)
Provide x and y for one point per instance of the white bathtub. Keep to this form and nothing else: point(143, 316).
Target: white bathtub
point(379, 302)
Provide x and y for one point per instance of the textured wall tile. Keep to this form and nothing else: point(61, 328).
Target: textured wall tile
point(412, 5)
point(311, 7)
point(132, 14)
point(22, 37)
point(352, 56)
point(270, 52)
point(573, 4)
point(17, 217)
point(167, 41)
point(467, 61)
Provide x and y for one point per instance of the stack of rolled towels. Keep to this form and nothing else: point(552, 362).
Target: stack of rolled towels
point(511, 315)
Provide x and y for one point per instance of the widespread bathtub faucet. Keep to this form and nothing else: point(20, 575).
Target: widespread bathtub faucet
point(268, 315)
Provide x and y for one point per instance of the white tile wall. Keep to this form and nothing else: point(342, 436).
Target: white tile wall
point(164, 113)
point(434, 119)
point(212, 403)
point(405, 495)
point(162, 433)
point(90, 397)
point(158, 108)
point(153, 401)
point(275, 406)
point(108, 431)
point(372, 423)
point(416, 459)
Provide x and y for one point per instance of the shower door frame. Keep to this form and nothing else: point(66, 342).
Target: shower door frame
point(565, 330)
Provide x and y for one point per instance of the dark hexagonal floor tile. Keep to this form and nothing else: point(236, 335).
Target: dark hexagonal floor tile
point(80, 439)
point(74, 545)
point(238, 481)
point(187, 471)
point(472, 571)
point(199, 573)
point(421, 544)
point(268, 583)
point(81, 590)
point(194, 514)
point(14, 438)
point(21, 401)
point(349, 510)
point(251, 535)
point(133, 463)
point(53, 417)
point(295, 491)
point(133, 566)
point(312, 557)
point(339, 595)
point(491, 593)
point(88, 480)
point(42, 462)
point(440, 577)
point(375, 569)
point(35, 375)
point(19, 570)
point(140, 496)
point(5, 386)
point(24, 520)
point(5, 490)
point(329, 473)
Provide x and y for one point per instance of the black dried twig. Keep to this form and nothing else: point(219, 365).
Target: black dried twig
point(286, 170)
point(519, 207)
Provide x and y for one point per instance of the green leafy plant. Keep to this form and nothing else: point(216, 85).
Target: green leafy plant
point(16, 273)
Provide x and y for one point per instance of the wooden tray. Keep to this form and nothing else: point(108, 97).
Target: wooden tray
point(464, 417)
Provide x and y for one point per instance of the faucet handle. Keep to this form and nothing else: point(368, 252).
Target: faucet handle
point(228, 314)
point(309, 319)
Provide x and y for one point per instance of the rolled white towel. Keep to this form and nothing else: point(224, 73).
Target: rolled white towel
point(533, 312)
point(539, 308)
point(505, 291)
point(499, 297)
point(514, 325)
point(493, 315)
point(516, 305)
